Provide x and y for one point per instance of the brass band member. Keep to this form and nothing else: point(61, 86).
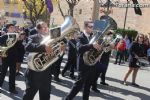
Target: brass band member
point(72, 56)
point(21, 52)
point(38, 81)
point(86, 73)
point(9, 61)
point(102, 66)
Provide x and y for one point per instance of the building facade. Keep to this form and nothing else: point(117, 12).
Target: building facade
point(13, 10)
point(85, 10)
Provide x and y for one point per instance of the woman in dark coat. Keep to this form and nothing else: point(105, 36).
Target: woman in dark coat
point(136, 51)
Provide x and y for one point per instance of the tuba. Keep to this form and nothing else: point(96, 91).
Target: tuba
point(10, 42)
point(41, 61)
point(102, 29)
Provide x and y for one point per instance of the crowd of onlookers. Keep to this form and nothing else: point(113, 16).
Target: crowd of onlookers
point(121, 50)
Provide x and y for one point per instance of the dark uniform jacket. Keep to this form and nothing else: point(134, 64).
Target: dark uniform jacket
point(82, 46)
point(11, 52)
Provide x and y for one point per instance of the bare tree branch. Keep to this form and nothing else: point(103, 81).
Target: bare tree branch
point(59, 7)
point(72, 4)
point(35, 9)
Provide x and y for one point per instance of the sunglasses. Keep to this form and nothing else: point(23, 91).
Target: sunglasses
point(140, 37)
point(90, 26)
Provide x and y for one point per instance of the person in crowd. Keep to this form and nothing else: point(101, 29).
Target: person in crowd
point(147, 46)
point(136, 51)
point(72, 56)
point(0, 65)
point(148, 54)
point(120, 47)
point(85, 73)
point(146, 42)
point(102, 66)
point(38, 81)
point(20, 52)
point(128, 43)
point(9, 61)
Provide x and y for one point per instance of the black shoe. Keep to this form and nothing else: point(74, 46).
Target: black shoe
point(63, 74)
point(124, 83)
point(57, 79)
point(115, 63)
point(19, 74)
point(136, 85)
point(13, 91)
point(96, 90)
point(73, 77)
point(103, 83)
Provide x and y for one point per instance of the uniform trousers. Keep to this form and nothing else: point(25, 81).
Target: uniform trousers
point(85, 80)
point(37, 81)
point(12, 73)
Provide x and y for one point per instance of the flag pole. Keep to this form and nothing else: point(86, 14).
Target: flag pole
point(125, 19)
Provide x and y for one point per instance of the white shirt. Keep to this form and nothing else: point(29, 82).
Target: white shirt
point(86, 34)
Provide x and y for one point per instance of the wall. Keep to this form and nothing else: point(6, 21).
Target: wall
point(139, 23)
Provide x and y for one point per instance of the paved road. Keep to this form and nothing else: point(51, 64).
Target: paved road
point(116, 91)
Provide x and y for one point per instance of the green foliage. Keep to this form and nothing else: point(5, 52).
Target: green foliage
point(130, 33)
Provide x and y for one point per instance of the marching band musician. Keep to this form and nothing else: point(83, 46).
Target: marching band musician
point(86, 73)
point(9, 61)
point(20, 51)
point(72, 55)
point(38, 81)
point(102, 66)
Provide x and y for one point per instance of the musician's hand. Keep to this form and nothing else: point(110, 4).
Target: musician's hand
point(136, 56)
point(112, 45)
point(62, 47)
point(145, 58)
point(48, 49)
point(97, 46)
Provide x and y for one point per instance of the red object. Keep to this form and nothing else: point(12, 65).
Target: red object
point(121, 45)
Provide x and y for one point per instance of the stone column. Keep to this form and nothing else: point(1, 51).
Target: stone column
point(95, 14)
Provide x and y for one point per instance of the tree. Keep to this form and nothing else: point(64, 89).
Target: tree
point(71, 4)
point(35, 10)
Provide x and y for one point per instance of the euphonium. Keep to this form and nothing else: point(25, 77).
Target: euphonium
point(41, 61)
point(102, 36)
point(10, 42)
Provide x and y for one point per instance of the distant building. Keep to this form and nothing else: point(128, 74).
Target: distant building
point(84, 11)
point(13, 10)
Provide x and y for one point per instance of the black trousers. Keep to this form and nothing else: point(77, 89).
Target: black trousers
point(120, 56)
point(85, 80)
point(55, 68)
point(100, 72)
point(37, 81)
point(12, 73)
point(0, 69)
point(71, 64)
point(149, 58)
